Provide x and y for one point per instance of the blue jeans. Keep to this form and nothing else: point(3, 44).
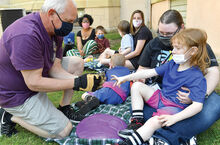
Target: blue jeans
point(186, 129)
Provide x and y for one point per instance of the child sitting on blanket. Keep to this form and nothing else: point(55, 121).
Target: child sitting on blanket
point(108, 94)
point(102, 43)
point(190, 60)
point(127, 43)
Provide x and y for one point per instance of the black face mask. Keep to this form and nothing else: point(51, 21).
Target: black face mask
point(65, 28)
point(165, 40)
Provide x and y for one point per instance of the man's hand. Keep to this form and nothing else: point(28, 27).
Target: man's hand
point(88, 82)
point(184, 97)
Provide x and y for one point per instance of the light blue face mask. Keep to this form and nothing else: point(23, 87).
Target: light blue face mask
point(65, 29)
point(100, 36)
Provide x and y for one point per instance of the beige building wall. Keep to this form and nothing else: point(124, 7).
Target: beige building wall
point(107, 17)
point(28, 5)
point(158, 8)
point(104, 12)
point(129, 6)
point(4, 2)
point(205, 15)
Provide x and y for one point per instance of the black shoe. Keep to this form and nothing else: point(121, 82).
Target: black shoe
point(70, 113)
point(6, 127)
point(79, 104)
point(133, 126)
point(91, 103)
point(77, 117)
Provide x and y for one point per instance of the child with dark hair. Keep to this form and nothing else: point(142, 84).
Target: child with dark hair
point(86, 44)
point(108, 94)
point(127, 43)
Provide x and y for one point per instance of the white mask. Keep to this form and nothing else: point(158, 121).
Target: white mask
point(137, 23)
point(180, 58)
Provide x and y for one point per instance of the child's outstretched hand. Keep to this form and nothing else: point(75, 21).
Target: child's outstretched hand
point(119, 80)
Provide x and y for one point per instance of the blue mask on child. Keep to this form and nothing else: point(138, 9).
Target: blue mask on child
point(100, 36)
point(65, 29)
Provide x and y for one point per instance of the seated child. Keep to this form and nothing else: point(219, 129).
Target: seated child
point(108, 94)
point(69, 42)
point(102, 43)
point(127, 43)
point(190, 60)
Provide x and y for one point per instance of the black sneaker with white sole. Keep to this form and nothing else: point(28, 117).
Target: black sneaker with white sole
point(79, 104)
point(133, 126)
point(6, 127)
point(70, 113)
point(91, 103)
point(77, 117)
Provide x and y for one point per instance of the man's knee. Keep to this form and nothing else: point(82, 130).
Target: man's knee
point(73, 64)
point(66, 131)
point(211, 109)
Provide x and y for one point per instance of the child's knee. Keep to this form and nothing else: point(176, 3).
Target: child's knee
point(136, 86)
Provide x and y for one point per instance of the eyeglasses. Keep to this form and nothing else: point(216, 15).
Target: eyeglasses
point(76, 20)
point(85, 21)
point(168, 34)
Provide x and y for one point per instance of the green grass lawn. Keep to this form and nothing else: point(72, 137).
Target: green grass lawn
point(209, 137)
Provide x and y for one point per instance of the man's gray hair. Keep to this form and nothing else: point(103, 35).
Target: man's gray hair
point(58, 5)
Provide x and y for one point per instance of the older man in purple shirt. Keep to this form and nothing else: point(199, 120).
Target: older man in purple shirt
point(31, 64)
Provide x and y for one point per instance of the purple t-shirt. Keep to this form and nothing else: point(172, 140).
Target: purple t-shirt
point(25, 45)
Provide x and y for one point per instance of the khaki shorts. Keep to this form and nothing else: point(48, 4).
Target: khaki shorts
point(39, 111)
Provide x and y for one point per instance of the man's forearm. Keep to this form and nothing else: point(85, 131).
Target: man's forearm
point(50, 84)
point(189, 111)
point(212, 78)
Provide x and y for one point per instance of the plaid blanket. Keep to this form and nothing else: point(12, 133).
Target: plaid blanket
point(93, 65)
point(122, 111)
